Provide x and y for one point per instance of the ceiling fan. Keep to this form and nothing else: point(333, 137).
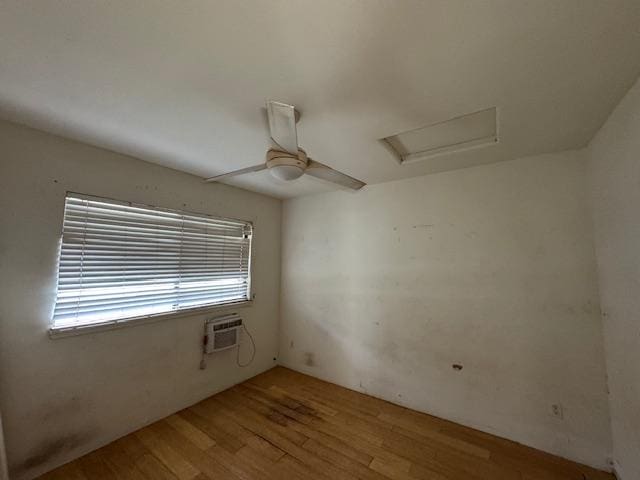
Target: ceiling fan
point(289, 161)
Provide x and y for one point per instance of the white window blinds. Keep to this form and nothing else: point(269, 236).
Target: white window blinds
point(122, 261)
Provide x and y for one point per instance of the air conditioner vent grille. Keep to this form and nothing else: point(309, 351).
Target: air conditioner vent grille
point(222, 333)
point(225, 339)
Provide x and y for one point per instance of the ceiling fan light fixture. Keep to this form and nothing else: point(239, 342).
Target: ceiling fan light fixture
point(288, 161)
point(286, 172)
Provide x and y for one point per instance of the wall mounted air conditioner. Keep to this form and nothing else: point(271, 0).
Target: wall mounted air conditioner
point(222, 333)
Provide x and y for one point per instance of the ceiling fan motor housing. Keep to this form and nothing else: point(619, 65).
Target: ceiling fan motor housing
point(286, 166)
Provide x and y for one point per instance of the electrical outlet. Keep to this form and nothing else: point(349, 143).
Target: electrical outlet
point(556, 410)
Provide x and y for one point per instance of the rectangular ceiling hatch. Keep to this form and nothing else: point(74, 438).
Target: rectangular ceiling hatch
point(474, 130)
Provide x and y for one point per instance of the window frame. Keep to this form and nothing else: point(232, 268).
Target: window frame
point(66, 331)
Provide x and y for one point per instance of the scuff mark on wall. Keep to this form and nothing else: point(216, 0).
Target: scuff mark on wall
point(309, 359)
point(424, 225)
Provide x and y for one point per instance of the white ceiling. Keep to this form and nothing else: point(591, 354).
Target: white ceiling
point(183, 83)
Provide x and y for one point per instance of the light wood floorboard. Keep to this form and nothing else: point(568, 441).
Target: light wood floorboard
point(286, 425)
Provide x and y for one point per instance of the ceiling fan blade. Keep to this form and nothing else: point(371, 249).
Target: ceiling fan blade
point(282, 125)
point(322, 171)
point(255, 168)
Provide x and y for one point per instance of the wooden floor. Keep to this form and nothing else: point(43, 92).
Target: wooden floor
point(285, 425)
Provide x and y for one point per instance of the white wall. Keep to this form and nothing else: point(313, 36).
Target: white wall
point(61, 398)
point(615, 175)
point(490, 267)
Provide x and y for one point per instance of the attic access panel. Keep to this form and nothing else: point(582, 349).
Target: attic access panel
point(473, 130)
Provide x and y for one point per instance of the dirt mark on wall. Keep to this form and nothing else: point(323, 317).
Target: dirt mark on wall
point(52, 418)
point(309, 359)
point(52, 448)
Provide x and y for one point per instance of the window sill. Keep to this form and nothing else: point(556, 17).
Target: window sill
point(63, 332)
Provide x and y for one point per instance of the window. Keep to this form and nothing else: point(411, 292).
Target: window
point(121, 261)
